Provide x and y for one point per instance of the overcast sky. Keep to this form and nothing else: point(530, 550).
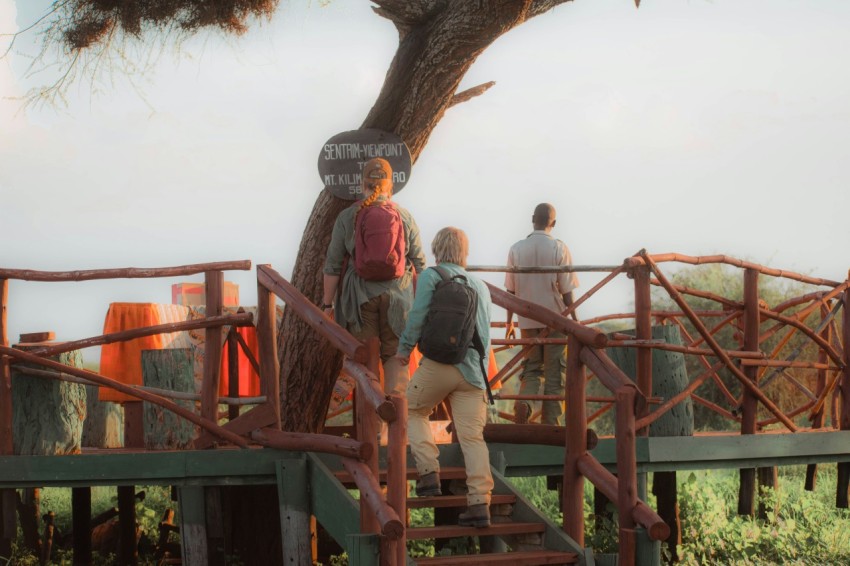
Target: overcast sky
point(687, 126)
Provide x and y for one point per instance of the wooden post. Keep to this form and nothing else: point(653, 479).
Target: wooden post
point(214, 281)
point(572, 494)
point(7, 500)
point(232, 371)
point(215, 520)
point(294, 499)
point(267, 347)
point(193, 529)
point(818, 421)
point(367, 433)
point(81, 521)
point(844, 467)
point(134, 437)
point(397, 471)
point(746, 493)
point(643, 331)
point(627, 497)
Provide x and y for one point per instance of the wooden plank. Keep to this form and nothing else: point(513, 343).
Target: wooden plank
point(363, 549)
point(154, 468)
point(525, 512)
point(30, 337)
point(524, 558)
point(259, 417)
point(496, 529)
point(331, 503)
point(294, 500)
point(456, 501)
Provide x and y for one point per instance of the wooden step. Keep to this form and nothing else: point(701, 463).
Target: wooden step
point(524, 558)
point(451, 473)
point(450, 531)
point(453, 501)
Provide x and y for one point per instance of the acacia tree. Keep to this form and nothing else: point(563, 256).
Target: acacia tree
point(439, 40)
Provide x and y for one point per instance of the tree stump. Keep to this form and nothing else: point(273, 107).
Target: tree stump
point(104, 424)
point(669, 377)
point(171, 369)
point(47, 414)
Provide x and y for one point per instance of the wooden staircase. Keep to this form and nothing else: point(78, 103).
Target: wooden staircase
point(531, 537)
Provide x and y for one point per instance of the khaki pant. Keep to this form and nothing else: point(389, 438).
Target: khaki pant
point(432, 383)
point(549, 362)
point(373, 314)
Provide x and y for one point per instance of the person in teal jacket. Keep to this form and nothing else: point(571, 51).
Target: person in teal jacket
point(462, 384)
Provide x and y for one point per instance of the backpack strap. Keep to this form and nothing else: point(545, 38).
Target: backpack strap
point(478, 344)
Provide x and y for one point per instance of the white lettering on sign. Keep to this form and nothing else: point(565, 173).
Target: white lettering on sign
point(329, 179)
point(334, 151)
point(399, 176)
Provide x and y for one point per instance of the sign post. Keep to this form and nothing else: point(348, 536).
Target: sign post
point(343, 156)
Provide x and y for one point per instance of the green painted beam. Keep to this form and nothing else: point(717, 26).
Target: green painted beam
point(257, 466)
point(333, 506)
point(189, 467)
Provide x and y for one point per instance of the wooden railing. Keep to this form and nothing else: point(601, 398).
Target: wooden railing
point(752, 368)
point(261, 424)
point(379, 513)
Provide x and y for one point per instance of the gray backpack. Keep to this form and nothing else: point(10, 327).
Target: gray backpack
point(449, 329)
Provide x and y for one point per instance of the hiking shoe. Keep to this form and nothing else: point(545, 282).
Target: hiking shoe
point(428, 485)
point(521, 413)
point(475, 516)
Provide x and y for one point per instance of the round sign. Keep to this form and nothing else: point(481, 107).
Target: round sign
point(343, 156)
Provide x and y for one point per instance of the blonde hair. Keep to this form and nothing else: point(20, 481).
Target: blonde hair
point(451, 245)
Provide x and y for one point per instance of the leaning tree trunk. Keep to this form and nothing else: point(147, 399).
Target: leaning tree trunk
point(439, 41)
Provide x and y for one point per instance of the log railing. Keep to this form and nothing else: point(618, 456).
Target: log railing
point(379, 513)
point(632, 400)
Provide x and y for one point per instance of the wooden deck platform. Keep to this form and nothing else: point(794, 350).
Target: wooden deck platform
point(232, 466)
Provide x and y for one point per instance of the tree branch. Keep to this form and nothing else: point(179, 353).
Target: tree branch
point(542, 6)
point(408, 12)
point(470, 93)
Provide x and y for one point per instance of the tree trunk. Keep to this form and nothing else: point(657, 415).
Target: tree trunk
point(439, 42)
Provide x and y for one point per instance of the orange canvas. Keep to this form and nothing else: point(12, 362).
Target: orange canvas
point(122, 361)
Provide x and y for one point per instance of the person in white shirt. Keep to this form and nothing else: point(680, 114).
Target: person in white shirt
point(553, 291)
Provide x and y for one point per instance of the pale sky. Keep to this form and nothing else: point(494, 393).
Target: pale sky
point(688, 126)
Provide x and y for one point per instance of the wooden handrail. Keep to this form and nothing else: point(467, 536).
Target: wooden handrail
point(609, 374)
point(126, 389)
point(638, 259)
point(124, 272)
point(370, 491)
point(310, 313)
point(585, 334)
point(544, 268)
point(243, 319)
point(370, 387)
point(326, 443)
point(606, 482)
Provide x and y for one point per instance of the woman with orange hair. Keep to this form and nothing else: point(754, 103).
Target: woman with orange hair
point(379, 242)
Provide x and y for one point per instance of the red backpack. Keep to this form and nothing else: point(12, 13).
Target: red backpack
point(379, 252)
